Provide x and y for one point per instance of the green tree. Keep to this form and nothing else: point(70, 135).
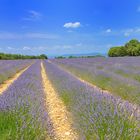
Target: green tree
point(136, 50)
point(132, 47)
point(117, 51)
point(43, 56)
point(18, 56)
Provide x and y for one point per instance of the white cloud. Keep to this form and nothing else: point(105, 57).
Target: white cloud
point(26, 48)
point(33, 16)
point(108, 31)
point(72, 25)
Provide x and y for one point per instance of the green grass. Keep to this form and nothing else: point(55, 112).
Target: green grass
point(109, 128)
point(126, 92)
point(121, 72)
point(7, 125)
point(128, 75)
point(19, 124)
point(2, 78)
point(137, 77)
point(100, 67)
point(66, 98)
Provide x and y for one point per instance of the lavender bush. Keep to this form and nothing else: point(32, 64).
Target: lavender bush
point(95, 115)
point(10, 67)
point(118, 75)
point(24, 105)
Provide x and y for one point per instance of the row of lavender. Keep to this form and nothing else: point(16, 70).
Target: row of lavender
point(25, 100)
point(121, 76)
point(10, 67)
point(95, 115)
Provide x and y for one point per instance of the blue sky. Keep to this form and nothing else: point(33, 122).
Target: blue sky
point(58, 27)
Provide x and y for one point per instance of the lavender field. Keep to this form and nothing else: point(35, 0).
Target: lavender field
point(9, 67)
point(120, 76)
point(71, 99)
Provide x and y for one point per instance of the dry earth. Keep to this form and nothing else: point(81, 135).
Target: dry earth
point(60, 117)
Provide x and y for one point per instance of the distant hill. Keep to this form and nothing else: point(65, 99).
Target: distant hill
point(79, 55)
point(84, 54)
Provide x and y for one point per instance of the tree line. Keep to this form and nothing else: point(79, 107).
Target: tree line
point(64, 57)
point(131, 48)
point(5, 56)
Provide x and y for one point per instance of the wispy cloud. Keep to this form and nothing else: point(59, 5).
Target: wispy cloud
point(132, 31)
point(33, 49)
point(108, 31)
point(10, 48)
point(72, 25)
point(33, 16)
point(26, 48)
point(79, 45)
point(128, 32)
point(40, 36)
point(8, 35)
point(125, 32)
point(138, 9)
point(67, 46)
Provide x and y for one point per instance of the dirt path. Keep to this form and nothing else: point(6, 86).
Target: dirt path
point(8, 82)
point(57, 112)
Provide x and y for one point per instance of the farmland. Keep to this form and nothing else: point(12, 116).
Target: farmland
point(70, 99)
